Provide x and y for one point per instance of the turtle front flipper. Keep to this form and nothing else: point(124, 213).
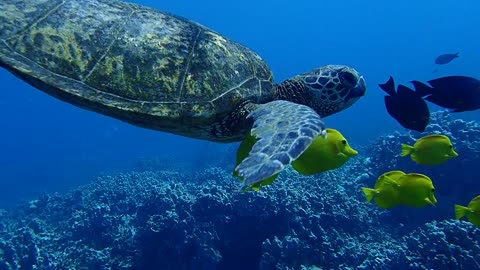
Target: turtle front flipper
point(284, 130)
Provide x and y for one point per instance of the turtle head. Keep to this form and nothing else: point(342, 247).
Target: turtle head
point(327, 90)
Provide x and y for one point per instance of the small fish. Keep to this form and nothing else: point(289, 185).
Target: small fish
point(417, 190)
point(472, 211)
point(385, 194)
point(242, 153)
point(395, 188)
point(324, 154)
point(430, 150)
point(457, 93)
point(406, 106)
point(445, 58)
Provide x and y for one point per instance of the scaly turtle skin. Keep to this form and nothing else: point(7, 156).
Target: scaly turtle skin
point(163, 72)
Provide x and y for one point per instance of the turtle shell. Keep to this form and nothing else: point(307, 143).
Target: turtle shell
point(137, 64)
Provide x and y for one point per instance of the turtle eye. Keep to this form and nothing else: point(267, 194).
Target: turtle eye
point(348, 78)
point(344, 142)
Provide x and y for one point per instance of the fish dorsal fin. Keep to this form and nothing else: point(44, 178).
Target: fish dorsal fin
point(439, 136)
point(402, 90)
point(475, 203)
point(419, 175)
point(422, 89)
point(388, 87)
point(396, 172)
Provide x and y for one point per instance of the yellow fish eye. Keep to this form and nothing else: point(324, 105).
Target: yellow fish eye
point(433, 190)
point(451, 146)
point(344, 142)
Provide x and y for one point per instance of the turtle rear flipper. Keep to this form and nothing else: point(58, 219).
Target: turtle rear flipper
point(284, 130)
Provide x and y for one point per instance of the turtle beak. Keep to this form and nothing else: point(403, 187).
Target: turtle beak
point(360, 90)
point(356, 92)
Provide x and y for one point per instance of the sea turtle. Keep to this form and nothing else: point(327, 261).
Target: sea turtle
point(164, 72)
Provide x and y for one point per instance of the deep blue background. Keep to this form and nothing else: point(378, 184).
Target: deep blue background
point(47, 145)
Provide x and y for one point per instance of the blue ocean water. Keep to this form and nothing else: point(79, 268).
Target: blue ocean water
point(47, 145)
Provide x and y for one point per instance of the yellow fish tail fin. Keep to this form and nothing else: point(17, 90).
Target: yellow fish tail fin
point(460, 211)
point(251, 188)
point(369, 193)
point(406, 150)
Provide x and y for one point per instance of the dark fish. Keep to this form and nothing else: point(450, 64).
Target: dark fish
point(445, 58)
point(457, 93)
point(406, 106)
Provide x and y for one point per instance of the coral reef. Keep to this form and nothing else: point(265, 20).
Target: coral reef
point(168, 219)
point(443, 245)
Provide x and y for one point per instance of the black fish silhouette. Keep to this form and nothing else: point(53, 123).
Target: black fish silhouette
point(406, 106)
point(457, 93)
point(445, 58)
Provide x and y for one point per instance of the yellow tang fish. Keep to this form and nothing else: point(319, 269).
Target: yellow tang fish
point(472, 211)
point(416, 189)
point(242, 153)
point(413, 189)
point(385, 194)
point(430, 150)
point(324, 154)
